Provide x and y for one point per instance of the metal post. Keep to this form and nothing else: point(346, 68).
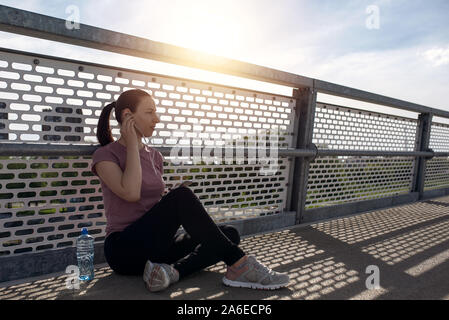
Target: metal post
point(304, 117)
point(421, 144)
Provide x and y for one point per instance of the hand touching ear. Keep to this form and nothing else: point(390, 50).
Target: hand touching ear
point(128, 131)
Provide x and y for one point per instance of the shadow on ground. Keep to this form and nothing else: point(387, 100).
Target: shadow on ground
point(408, 244)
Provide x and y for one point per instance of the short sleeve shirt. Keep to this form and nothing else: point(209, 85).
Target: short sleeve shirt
point(119, 212)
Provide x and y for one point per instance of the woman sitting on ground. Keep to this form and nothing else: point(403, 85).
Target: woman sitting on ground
point(142, 221)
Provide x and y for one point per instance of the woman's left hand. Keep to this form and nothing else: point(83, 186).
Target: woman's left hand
point(165, 192)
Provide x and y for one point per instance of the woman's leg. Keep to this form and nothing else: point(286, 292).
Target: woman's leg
point(188, 255)
point(151, 236)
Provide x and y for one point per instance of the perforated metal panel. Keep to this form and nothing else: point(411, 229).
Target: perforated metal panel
point(235, 191)
point(439, 137)
point(70, 100)
point(335, 180)
point(437, 173)
point(343, 128)
point(339, 179)
point(437, 169)
point(46, 201)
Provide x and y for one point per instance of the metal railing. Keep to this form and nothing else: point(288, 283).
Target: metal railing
point(333, 160)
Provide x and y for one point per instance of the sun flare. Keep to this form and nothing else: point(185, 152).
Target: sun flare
point(210, 27)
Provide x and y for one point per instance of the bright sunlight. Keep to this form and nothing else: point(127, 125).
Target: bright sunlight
point(216, 28)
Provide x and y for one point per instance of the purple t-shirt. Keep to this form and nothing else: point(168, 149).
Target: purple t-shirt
point(119, 212)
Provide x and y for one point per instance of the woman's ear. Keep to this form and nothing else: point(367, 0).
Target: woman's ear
point(126, 114)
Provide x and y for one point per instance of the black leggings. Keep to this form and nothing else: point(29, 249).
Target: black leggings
point(152, 237)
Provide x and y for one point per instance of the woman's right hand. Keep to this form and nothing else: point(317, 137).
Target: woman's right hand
point(128, 131)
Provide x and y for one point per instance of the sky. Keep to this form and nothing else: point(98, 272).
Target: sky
point(396, 48)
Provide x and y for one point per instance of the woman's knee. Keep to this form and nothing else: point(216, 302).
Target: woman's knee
point(127, 266)
point(182, 191)
point(232, 233)
point(121, 260)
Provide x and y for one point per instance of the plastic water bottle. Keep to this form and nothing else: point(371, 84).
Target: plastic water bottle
point(85, 255)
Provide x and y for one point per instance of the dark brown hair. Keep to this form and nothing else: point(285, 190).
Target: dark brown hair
point(128, 99)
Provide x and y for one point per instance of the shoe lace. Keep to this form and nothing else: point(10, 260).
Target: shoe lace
point(171, 272)
point(263, 268)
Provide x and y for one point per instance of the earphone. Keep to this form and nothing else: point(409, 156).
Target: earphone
point(140, 131)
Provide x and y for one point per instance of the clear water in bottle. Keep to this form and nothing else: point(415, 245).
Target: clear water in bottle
point(85, 255)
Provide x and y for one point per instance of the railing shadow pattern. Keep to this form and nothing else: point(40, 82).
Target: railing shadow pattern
point(327, 260)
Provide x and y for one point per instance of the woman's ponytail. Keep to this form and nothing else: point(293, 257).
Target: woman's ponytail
point(104, 134)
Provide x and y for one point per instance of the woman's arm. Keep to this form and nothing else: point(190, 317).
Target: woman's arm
point(132, 177)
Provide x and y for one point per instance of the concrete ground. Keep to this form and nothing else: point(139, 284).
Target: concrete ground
point(336, 259)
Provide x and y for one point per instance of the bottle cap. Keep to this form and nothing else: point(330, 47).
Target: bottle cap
point(84, 231)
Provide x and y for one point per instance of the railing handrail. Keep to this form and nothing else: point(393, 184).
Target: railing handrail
point(42, 149)
point(50, 28)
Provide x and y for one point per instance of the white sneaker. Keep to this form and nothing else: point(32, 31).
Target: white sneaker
point(158, 276)
point(253, 274)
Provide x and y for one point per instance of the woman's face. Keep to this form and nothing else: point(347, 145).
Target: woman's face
point(145, 117)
